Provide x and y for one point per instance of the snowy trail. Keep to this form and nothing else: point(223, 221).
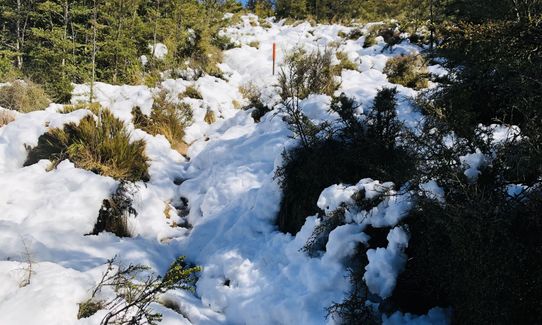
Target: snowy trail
point(252, 273)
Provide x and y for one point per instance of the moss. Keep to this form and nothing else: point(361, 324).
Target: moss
point(23, 96)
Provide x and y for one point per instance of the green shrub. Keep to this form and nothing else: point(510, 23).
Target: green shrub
point(192, 92)
point(89, 308)
point(223, 42)
point(478, 252)
point(7, 71)
point(152, 78)
point(167, 118)
point(305, 73)
point(409, 71)
point(23, 96)
point(354, 309)
point(358, 151)
point(135, 290)
point(101, 146)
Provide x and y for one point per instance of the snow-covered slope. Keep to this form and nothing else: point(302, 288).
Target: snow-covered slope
point(252, 273)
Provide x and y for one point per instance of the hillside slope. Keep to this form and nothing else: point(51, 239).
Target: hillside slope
point(224, 189)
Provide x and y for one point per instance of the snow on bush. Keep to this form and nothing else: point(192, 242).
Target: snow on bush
point(386, 263)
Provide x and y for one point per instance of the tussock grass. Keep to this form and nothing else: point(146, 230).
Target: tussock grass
point(23, 96)
point(346, 63)
point(192, 92)
point(6, 117)
point(101, 145)
point(210, 117)
point(93, 107)
point(254, 44)
point(409, 71)
point(167, 118)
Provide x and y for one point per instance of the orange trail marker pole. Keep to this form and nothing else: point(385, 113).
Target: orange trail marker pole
point(274, 56)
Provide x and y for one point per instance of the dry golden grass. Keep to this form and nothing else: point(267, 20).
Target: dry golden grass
point(167, 118)
point(192, 92)
point(23, 96)
point(93, 107)
point(210, 117)
point(6, 117)
point(102, 146)
point(409, 71)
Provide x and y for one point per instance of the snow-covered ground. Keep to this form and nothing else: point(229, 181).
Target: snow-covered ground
point(252, 273)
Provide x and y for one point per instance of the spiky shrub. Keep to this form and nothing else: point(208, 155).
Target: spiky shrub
point(358, 150)
point(168, 117)
point(23, 96)
point(408, 70)
point(136, 288)
point(100, 144)
point(305, 73)
point(354, 309)
point(478, 252)
point(6, 117)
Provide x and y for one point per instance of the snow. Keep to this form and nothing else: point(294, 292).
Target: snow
point(435, 316)
point(252, 273)
point(159, 50)
point(386, 263)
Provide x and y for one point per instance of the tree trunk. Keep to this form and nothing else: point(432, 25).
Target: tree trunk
point(93, 54)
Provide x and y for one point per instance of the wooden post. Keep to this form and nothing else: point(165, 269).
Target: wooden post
point(274, 56)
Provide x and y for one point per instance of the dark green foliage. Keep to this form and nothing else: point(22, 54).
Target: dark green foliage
point(479, 254)
point(359, 151)
point(479, 251)
point(136, 289)
point(54, 41)
point(353, 310)
point(507, 80)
